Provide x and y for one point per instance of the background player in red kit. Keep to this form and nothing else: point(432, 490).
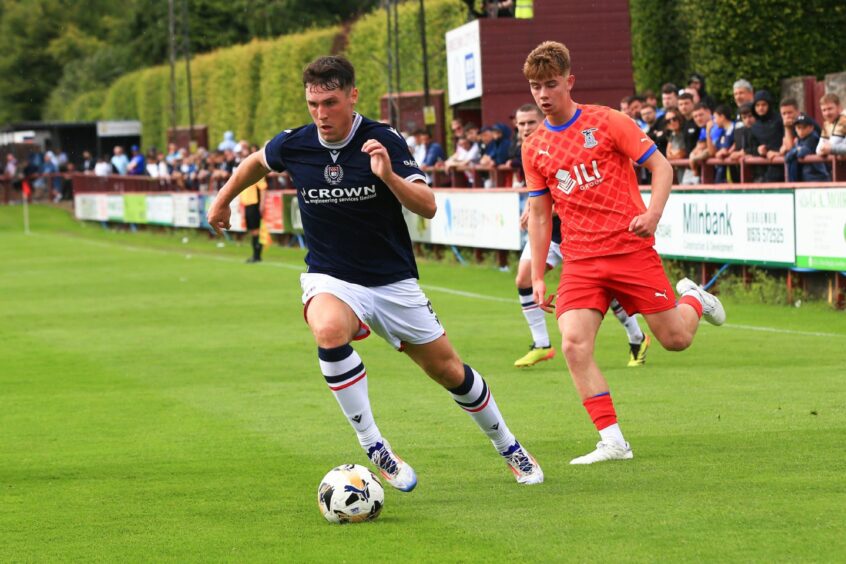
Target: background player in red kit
point(581, 158)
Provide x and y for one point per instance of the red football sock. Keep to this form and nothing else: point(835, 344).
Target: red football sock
point(692, 302)
point(601, 410)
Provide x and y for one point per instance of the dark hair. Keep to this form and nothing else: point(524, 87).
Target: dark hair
point(747, 109)
point(330, 73)
point(648, 93)
point(637, 98)
point(789, 102)
point(686, 96)
point(470, 125)
point(669, 88)
point(420, 132)
point(701, 106)
point(723, 110)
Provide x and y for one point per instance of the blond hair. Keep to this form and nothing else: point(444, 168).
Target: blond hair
point(548, 59)
point(830, 98)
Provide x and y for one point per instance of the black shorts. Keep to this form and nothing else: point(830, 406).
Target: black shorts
point(253, 216)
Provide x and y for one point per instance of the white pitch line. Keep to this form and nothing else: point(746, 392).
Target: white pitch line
point(784, 331)
point(451, 291)
point(469, 294)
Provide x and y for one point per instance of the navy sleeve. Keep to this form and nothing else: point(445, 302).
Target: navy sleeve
point(272, 152)
point(402, 161)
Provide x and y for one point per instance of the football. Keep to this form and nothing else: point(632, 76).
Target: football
point(350, 494)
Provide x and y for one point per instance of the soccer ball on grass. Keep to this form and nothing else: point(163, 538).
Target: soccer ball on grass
point(350, 494)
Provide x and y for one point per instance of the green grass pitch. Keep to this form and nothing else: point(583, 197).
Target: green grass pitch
point(161, 400)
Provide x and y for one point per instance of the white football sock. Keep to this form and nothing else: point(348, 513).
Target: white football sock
point(474, 397)
point(346, 377)
point(633, 330)
point(535, 317)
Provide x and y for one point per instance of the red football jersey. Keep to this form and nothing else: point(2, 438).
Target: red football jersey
point(586, 164)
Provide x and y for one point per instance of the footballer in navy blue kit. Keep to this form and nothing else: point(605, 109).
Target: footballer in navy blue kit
point(353, 177)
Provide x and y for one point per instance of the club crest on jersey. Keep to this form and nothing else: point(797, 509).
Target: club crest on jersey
point(590, 140)
point(333, 174)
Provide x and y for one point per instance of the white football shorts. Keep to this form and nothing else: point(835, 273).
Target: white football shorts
point(399, 312)
point(553, 257)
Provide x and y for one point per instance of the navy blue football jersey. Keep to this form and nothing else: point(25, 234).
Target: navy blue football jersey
point(353, 223)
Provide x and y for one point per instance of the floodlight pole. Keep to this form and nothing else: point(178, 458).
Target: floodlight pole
point(397, 65)
point(426, 101)
point(186, 48)
point(171, 27)
point(391, 114)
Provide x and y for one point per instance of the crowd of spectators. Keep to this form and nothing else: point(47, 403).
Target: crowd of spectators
point(689, 124)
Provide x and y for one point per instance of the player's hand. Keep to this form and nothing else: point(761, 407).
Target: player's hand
point(645, 224)
point(825, 150)
point(539, 294)
point(524, 219)
point(380, 162)
point(218, 218)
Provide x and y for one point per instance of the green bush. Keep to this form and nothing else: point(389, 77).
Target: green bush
point(255, 90)
point(121, 98)
point(280, 93)
point(367, 50)
point(763, 42)
point(659, 43)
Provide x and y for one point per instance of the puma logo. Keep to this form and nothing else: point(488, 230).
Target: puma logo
point(661, 295)
point(544, 151)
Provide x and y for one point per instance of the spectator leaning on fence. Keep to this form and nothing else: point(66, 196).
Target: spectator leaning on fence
point(138, 164)
point(806, 144)
point(788, 109)
point(769, 131)
point(119, 160)
point(724, 144)
point(833, 139)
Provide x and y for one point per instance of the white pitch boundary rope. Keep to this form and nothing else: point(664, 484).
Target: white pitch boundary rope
point(427, 287)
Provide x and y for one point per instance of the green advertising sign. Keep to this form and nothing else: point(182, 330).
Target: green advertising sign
point(135, 208)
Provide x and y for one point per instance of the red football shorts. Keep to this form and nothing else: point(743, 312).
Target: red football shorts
point(636, 279)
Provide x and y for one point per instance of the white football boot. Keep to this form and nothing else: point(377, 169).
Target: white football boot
point(606, 450)
point(395, 471)
point(712, 308)
point(524, 466)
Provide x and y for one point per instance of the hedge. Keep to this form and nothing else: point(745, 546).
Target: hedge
point(255, 90)
point(764, 42)
point(659, 44)
point(367, 50)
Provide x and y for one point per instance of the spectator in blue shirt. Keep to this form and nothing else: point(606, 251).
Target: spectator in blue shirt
point(434, 152)
point(138, 165)
point(724, 145)
point(806, 144)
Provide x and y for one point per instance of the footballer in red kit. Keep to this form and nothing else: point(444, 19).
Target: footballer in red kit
point(582, 158)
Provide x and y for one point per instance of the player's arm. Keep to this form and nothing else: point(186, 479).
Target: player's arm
point(540, 237)
point(540, 224)
point(644, 225)
point(249, 172)
point(416, 196)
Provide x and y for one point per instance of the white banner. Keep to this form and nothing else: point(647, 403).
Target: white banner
point(821, 228)
point(85, 206)
point(160, 209)
point(464, 62)
point(487, 220)
point(186, 210)
point(237, 218)
point(733, 226)
point(114, 207)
